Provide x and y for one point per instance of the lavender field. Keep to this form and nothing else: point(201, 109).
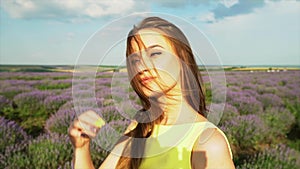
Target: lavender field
point(261, 117)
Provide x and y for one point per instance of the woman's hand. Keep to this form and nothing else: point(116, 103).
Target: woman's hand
point(84, 127)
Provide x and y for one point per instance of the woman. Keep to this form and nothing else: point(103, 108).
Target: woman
point(171, 131)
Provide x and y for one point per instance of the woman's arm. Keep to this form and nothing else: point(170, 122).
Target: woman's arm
point(81, 147)
point(85, 126)
point(211, 150)
point(82, 158)
point(80, 138)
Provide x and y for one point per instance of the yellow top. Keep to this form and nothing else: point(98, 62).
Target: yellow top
point(170, 146)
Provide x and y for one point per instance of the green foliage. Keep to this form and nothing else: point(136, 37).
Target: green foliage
point(50, 151)
point(30, 108)
point(60, 121)
point(10, 94)
point(229, 113)
point(61, 77)
point(295, 144)
point(25, 68)
point(50, 86)
point(295, 110)
point(27, 77)
point(249, 135)
point(11, 134)
point(277, 128)
point(17, 159)
point(282, 83)
point(34, 70)
point(245, 133)
point(98, 154)
point(10, 113)
point(208, 93)
point(34, 125)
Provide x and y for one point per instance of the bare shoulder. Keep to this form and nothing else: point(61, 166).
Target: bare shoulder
point(211, 150)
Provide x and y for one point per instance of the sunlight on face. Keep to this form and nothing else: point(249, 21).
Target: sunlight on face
point(157, 64)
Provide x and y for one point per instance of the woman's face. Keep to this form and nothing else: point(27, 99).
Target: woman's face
point(157, 64)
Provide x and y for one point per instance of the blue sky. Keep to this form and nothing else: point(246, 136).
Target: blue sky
point(243, 32)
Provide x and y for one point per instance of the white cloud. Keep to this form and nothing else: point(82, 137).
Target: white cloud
point(268, 35)
point(229, 3)
point(231, 8)
point(71, 9)
point(209, 17)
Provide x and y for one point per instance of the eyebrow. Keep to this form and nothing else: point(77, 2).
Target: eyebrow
point(149, 47)
point(153, 46)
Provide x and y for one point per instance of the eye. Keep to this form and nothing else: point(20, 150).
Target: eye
point(135, 61)
point(155, 54)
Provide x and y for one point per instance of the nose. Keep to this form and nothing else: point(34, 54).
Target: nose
point(145, 63)
point(141, 68)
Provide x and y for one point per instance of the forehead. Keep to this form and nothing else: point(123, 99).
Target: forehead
point(150, 38)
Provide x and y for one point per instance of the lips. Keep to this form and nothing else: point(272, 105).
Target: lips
point(145, 80)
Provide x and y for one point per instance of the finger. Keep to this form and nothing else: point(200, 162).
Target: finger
point(88, 129)
point(77, 124)
point(79, 129)
point(74, 132)
point(92, 114)
point(77, 137)
point(84, 135)
point(89, 122)
point(92, 118)
point(89, 116)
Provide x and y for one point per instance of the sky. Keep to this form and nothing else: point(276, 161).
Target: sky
point(59, 32)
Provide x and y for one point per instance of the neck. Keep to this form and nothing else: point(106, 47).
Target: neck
point(178, 111)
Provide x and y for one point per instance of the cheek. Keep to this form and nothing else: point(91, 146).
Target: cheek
point(169, 69)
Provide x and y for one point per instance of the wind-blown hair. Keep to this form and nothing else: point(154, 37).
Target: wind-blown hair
point(190, 81)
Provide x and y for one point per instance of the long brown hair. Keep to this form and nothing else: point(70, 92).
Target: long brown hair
point(194, 91)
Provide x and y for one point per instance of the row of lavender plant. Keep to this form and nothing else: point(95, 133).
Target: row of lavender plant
point(261, 110)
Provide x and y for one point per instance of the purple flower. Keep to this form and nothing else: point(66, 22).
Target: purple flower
point(230, 112)
point(277, 156)
point(119, 125)
point(261, 89)
point(234, 88)
point(10, 91)
point(50, 151)
point(246, 104)
point(107, 137)
point(279, 122)
point(249, 86)
point(53, 103)
point(31, 102)
point(270, 100)
point(245, 132)
point(110, 113)
point(4, 103)
point(31, 109)
point(60, 121)
point(104, 92)
point(250, 93)
point(11, 134)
